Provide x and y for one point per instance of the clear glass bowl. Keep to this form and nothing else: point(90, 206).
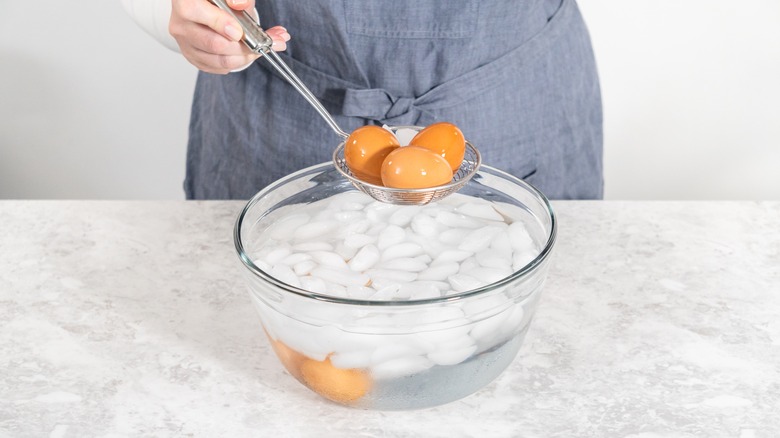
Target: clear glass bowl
point(396, 355)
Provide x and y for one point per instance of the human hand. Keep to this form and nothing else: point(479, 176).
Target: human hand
point(210, 39)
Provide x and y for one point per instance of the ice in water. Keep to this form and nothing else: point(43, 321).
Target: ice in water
point(349, 246)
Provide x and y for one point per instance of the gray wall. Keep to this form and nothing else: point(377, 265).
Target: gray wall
point(92, 107)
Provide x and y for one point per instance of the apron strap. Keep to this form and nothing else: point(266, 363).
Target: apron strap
point(348, 99)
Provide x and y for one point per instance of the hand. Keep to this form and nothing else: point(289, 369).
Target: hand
point(210, 39)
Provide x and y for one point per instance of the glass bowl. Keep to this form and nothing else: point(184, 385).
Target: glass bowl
point(395, 355)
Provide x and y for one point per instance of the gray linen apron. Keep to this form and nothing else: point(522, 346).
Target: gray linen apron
point(517, 76)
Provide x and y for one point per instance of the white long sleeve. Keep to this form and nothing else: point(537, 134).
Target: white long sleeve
point(153, 17)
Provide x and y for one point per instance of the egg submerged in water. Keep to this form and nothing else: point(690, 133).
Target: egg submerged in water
point(412, 167)
point(337, 384)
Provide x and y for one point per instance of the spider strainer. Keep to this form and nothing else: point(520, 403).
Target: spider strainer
point(259, 42)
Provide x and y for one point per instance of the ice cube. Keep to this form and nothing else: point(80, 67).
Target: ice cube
point(387, 293)
point(451, 255)
point(453, 236)
point(304, 267)
point(501, 244)
point(515, 321)
point(457, 220)
point(329, 259)
point(358, 241)
point(435, 338)
point(285, 226)
point(520, 259)
point(285, 274)
point(351, 359)
point(480, 210)
point(424, 258)
point(406, 249)
point(360, 226)
point(276, 255)
point(439, 272)
point(379, 211)
point(303, 338)
point(312, 246)
point(452, 356)
point(486, 305)
point(430, 245)
point(426, 226)
point(479, 239)
point(315, 229)
point(335, 290)
point(379, 283)
point(489, 275)
point(511, 212)
point(419, 291)
point(519, 238)
point(295, 258)
point(344, 277)
point(404, 215)
point(349, 200)
point(314, 284)
point(396, 350)
point(463, 283)
point(403, 366)
point(488, 330)
point(365, 258)
point(345, 252)
point(467, 265)
point(491, 258)
point(348, 216)
point(391, 235)
point(360, 292)
point(409, 264)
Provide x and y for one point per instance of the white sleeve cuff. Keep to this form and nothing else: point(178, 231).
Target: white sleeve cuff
point(153, 17)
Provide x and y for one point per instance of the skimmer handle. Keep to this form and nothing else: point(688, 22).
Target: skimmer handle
point(254, 36)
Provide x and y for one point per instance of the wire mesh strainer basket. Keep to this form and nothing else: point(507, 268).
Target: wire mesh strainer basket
point(471, 162)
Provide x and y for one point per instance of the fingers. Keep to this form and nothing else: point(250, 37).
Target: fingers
point(280, 36)
point(202, 12)
point(241, 5)
point(210, 38)
point(221, 64)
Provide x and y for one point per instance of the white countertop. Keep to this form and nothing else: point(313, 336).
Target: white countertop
point(127, 318)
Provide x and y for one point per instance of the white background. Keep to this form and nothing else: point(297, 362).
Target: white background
point(92, 107)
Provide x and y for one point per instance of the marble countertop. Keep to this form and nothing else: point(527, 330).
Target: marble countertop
point(129, 318)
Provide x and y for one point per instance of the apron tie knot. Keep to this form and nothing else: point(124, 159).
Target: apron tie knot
point(377, 104)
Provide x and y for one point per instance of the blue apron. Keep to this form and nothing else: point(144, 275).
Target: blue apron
point(517, 76)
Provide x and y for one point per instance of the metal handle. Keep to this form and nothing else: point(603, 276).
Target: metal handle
point(259, 42)
point(254, 36)
point(273, 58)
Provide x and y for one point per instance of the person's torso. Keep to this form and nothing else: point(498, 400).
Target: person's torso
point(385, 44)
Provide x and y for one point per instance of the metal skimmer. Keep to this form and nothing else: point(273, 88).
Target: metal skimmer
point(260, 42)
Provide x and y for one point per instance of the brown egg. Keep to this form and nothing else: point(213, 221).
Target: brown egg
point(337, 384)
point(290, 358)
point(444, 139)
point(412, 167)
point(366, 149)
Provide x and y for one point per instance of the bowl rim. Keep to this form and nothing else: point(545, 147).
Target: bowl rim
point(254, 269)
